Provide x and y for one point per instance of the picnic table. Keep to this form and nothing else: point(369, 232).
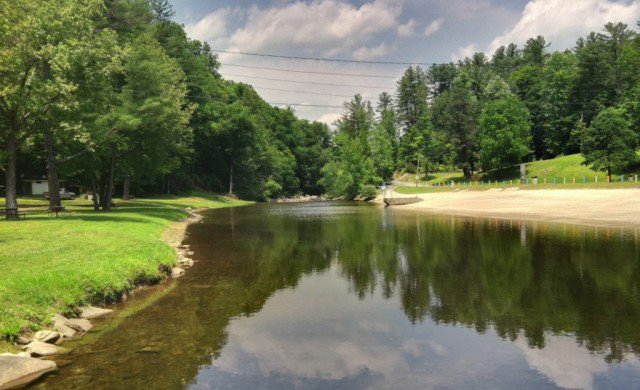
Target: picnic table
point(57, 210)
point(12, 213)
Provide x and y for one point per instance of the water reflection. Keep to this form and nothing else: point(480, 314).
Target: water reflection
point(345, 296)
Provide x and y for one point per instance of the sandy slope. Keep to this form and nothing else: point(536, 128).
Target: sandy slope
point(596, 207)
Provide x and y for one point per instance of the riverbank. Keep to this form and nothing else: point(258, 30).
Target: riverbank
point(607, 207)
point(54, 265)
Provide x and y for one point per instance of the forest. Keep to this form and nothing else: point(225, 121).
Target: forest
point(114, 96)
point(488, 112)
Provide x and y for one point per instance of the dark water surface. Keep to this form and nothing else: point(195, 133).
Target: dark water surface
point(338, 295)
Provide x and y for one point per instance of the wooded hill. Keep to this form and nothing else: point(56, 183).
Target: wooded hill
point(485, 113)
point(113, 95)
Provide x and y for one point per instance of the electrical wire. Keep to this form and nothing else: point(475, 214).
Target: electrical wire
point(322, 59)
point(311, 72)
point(304, 82)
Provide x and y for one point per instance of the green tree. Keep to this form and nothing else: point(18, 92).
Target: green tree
point(609, 143)
point(411, 97)
point(505, 128)
point(455, 115)
point(38, 44)
point(350, 171)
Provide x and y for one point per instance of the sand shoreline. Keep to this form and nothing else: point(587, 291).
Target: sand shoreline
point(598, 207)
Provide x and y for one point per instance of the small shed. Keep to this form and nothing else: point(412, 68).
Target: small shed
point(37, 187)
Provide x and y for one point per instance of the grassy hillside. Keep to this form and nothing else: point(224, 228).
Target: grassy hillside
point(50, 264)
point(562, 167)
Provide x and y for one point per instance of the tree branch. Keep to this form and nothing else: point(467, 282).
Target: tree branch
point(85, 150)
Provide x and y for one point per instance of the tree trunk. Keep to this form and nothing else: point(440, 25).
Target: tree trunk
point(608, 174)
point(169, 184)
point(96, 192)
point(231, 179)
point(109, 190)
point(126, 188)
point(52, 171)
point(10, 173)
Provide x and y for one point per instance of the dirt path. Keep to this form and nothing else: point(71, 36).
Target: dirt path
point(616, 207)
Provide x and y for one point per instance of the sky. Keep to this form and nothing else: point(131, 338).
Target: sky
point(407, 31)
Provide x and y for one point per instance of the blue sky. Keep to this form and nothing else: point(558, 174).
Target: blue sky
point(375, 30)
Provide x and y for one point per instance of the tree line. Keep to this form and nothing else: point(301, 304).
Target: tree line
point(114, 95)
point(484, 113)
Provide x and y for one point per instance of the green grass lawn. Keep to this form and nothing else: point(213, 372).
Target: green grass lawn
point(51, 264)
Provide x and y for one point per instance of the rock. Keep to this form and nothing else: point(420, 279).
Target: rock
point(186, 262)
point(38, 348)
point(19, 371)
point(177, 272)
point(79, 324)
point(22, 340)
point(60, 324)
point(93, 312)
point(47, 336)
point(148, 350)
point(19, 354)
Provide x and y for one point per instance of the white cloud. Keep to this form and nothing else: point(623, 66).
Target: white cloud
point(561, 22)
point(321, 27)
point(370, 53)
point(464, 52)
point(408, 29)
point(434, 27)
point(566, 363)
point(329, 118)
point(211, 27)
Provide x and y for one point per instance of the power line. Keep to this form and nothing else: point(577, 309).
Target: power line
point(304, 82)
point(322, 59)
point(308, 93)
point(311, 72)
point(305, 105)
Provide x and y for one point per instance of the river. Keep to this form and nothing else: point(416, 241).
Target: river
point(350, 296)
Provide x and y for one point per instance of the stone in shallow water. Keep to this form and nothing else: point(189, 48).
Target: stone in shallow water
point(93, 312)
point(47, 336)
point(79, 324)
point(18, 371)
point(38, 348)
point(177, 272)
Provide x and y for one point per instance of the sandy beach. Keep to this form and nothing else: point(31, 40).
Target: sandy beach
point(615, 207)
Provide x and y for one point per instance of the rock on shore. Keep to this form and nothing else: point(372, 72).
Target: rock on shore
point(17, 371)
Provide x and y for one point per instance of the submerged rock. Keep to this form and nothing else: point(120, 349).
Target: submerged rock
point(177, 272)
point(93, 312)
point(38, 348)
point(16, 371)
point(79, 324)
point(47, 336)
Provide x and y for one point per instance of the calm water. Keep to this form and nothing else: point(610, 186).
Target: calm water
point(331, 295)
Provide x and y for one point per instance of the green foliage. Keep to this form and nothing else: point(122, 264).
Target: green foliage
point(455, 114)
point(350, 170)
point(609, 143)
point(505, 129)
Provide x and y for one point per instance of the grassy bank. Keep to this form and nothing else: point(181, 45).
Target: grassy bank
point(51, 264)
